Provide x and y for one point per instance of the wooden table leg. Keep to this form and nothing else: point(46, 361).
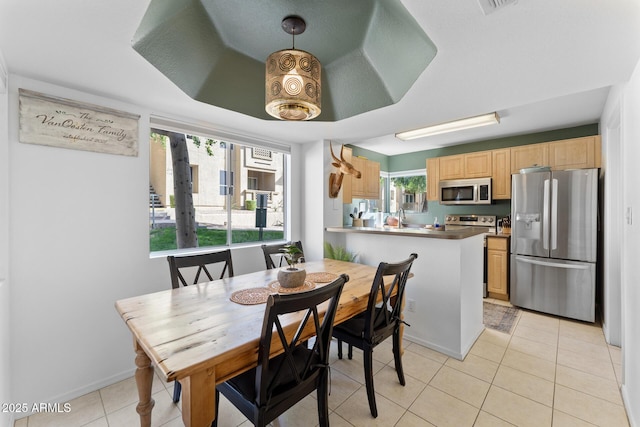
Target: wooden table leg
point(199, 399)
point(144, 381)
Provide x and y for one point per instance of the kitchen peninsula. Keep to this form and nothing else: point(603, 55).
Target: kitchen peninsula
point(443, 301)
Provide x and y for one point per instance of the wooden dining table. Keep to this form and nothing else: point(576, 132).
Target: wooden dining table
point(200, 337)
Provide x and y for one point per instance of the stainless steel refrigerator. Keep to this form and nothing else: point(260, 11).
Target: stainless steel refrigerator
point(554, 218)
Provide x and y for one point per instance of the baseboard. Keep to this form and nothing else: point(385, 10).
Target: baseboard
point(86, 389)
point(634, 417)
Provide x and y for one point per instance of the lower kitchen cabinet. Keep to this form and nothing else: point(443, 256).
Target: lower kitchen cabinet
point(498, 267)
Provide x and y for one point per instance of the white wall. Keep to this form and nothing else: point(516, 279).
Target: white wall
point(623, 110)
point(613, 219)
point(78, 239)
point(5, 366)
point(631, 248)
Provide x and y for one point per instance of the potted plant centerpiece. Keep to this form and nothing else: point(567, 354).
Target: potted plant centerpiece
point(292, 276)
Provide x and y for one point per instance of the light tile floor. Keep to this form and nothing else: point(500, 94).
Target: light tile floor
point(548, 372)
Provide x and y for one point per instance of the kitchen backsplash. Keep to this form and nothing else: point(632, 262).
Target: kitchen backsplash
point(499, 208)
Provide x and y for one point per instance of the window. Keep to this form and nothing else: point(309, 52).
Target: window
point(194, 178)
point(227, 179)
point(408, 190)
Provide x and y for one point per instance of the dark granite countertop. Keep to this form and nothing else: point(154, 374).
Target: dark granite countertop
point(411, 232)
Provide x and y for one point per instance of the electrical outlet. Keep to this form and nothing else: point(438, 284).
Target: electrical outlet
point(411, 305)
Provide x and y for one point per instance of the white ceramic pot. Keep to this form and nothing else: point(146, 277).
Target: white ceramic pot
point(291, 278)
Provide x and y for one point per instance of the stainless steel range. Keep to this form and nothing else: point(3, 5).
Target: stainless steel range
point(486, 222)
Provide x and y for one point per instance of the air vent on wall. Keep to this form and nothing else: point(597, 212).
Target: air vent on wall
point(490, 6)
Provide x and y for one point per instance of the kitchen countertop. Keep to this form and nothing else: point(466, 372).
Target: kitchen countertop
point(411, 232)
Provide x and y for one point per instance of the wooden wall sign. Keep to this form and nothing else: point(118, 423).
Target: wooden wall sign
point(59, 122)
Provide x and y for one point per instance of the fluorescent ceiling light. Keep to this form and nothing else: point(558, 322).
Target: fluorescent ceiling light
point(468, 123)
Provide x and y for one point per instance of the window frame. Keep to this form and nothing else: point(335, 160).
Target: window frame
point(238, 141)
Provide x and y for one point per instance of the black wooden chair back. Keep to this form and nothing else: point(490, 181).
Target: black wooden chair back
point(276, 384)
point(381, 320)
point(176, 263)
point(270, 250)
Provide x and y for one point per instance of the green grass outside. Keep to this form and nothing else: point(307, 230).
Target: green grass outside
point(164, 239)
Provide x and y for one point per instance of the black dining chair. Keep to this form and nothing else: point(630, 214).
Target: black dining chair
point(270, 250)
point(180, 264)
point(276, 384)
point(381, 320)
point(177, 264)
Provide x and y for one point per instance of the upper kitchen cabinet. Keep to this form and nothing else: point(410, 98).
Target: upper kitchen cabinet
point(433, 178)
point(477, 165)
point(471, 165)
point(452, 167)
point(501, 174)
point(368, 186)
point(527, 156)
point(347, 155)
point(577, 153)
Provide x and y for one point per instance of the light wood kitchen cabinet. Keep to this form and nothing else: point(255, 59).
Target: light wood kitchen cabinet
point(576, 153)
point(368, 186)
point(477, 165)
point(433, 178)
point(501, 176)
point(372, 180)
point(347, 195)
point(526, 156)
point(452, 167)
point(499, 164)
point(471, 165)
point(498, 267)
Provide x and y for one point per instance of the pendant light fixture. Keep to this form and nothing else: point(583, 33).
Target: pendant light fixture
point(292, 83)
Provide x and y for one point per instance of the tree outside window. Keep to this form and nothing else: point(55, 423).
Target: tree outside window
point(409, 193)
point(229, 179)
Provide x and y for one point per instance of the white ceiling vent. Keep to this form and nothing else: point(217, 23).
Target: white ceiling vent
point(490, 6)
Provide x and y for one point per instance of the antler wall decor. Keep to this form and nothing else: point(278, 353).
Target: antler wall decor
point(344, 168)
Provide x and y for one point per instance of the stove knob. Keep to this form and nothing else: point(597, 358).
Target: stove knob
point(448, 218)
point(484, 219)
point(490, 219)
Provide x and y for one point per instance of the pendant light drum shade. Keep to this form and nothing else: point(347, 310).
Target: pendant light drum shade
point(293, 85)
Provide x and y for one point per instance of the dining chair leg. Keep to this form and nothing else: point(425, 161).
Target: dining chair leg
point(350, 354)
point(368, 378)
point(177, 388)
point(214, 423)
point(340, 349)
point(397, 356)
point(323, 401)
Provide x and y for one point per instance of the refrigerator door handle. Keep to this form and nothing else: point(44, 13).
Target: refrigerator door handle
point(554, 214)
point(545, 215)
point(553, 264)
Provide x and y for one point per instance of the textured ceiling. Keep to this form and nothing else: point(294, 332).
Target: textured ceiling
point(215, 50)
point(542, 65)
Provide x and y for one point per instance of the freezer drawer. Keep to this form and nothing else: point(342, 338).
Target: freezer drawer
point(563, 288)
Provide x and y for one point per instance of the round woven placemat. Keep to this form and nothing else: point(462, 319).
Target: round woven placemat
point(323, 277)
point(251, 296)
point(275, 287)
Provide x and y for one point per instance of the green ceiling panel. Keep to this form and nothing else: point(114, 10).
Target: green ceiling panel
point(214, 50)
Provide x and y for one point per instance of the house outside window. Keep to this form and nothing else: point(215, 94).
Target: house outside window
point(227, 179)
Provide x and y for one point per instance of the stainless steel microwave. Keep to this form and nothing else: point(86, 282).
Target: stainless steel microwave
point(476, 191)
